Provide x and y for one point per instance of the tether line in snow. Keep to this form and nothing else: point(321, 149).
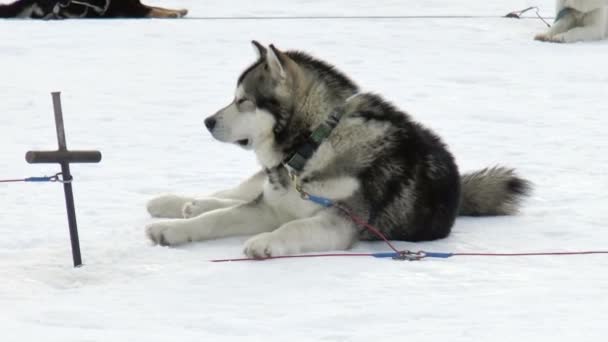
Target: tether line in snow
point(511, 15)
point(355, 17)
point(413, 256)
point(396, 254)
point(54, 178)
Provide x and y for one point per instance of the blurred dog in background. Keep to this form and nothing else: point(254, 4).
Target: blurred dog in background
point(64, 9)
point(578, 20)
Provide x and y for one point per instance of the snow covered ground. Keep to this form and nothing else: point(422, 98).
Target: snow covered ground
point(138, 91)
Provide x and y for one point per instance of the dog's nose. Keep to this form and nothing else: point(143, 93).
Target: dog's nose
point(210, 123)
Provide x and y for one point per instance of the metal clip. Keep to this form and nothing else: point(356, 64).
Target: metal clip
point(410, 256)
point(296, 183)
point(299, 189)
point(58, 179)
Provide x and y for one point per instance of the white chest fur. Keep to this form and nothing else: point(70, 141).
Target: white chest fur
point(288, 203)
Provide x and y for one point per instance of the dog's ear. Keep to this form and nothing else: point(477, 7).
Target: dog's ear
point(259, 49)
point(276, 62)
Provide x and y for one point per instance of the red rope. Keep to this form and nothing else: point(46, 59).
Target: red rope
point(530, 253)
point(368, 226)
point(425, 256)
point(296, 256)
point(11, 180)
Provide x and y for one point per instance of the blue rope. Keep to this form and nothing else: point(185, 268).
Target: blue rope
point(420, 254)
point(385, 255)
point(40, 179)
point(438, 255)
point(325, 202)
point(412, 255)
point(54, 178)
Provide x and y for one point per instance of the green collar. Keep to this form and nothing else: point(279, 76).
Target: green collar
point(295, 162)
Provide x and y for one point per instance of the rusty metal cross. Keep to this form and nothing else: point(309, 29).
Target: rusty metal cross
point(64, 157)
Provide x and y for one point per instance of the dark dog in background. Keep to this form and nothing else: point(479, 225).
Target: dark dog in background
point(63, 9)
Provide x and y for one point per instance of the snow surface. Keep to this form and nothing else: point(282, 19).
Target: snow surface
point(138, 91)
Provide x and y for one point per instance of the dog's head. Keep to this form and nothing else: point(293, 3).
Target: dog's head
point(263, 100)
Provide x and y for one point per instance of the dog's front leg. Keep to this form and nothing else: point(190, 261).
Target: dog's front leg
point(175, 206)
point(593, 28)
point(168, 206)
point(565, 23)
point(247, 191)
point(326, 231)
point(579, 34)
point(246, 219)
point(201, 206)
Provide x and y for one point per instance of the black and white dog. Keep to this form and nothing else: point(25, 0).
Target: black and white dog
point(63, 9)
point(315, 133)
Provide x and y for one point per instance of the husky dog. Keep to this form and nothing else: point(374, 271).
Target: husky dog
point(63, 9)
point(578, 20)
point(314, 133)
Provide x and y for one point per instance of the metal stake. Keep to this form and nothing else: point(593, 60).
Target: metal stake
point(64, 158)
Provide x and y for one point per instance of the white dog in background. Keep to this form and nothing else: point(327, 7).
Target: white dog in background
point(578, 20)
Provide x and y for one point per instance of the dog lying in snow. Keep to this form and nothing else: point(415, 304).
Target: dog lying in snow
point(314, 132)
point(63, 9)
point(578, 20)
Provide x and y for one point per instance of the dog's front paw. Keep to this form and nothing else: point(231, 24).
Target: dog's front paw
point(265, 245)
point(167, 206)
point(191, 209)
point(182, 13)
point(558, 38)
point(167, 233)
point(543, 37)
point(198, 207)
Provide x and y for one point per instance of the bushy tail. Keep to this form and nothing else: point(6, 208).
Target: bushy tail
point(492, 191)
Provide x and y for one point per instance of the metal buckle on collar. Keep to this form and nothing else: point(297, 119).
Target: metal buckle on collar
point(295, 163)
point(296, 182)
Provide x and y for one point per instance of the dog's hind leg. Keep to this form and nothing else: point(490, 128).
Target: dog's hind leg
point(247, 219)
point(326, 231)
